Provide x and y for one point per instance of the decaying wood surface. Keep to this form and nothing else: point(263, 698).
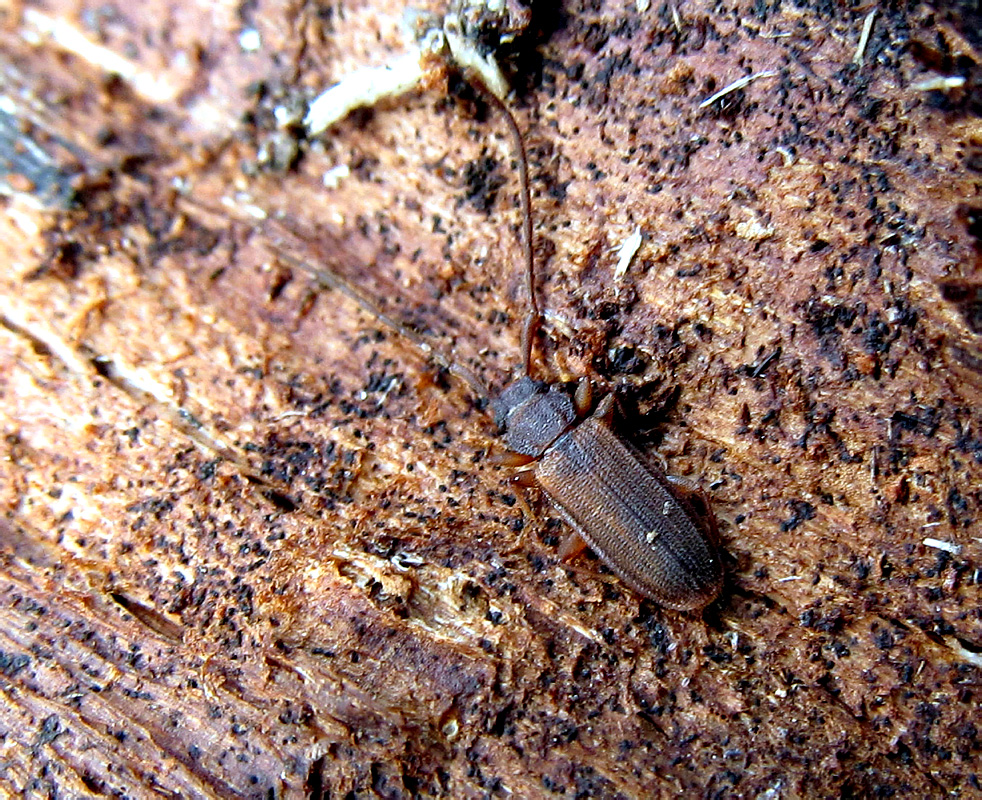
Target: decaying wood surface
point(252, 543)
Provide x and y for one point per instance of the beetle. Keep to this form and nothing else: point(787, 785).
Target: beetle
point(642, 524)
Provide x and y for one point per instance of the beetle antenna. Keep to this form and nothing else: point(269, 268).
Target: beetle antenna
point(533, 317)
point(332, 280)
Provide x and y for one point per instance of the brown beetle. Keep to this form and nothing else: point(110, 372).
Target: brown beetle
point(641, 525)
point(622, 507)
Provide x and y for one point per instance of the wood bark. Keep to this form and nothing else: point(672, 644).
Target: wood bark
point(253, 543)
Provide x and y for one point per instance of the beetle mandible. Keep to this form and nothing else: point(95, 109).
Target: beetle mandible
point(635, 518)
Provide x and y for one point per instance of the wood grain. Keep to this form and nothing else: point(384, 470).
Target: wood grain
point(252, 543)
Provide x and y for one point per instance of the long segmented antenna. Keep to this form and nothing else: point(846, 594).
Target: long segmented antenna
point(333, 280)
point(533, 316)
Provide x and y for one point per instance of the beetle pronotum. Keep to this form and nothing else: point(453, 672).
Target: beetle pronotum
point(639, 522)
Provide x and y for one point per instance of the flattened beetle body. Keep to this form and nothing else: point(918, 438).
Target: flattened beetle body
point(617, 503)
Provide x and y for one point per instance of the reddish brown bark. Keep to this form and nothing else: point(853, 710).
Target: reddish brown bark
point(252, 543)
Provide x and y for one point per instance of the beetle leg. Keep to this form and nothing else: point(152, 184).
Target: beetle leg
point(687, 487)
point(510, 459)
point(696, 497)
point(572, 546)
point(583, 398)
point(664, 465)
point(605, 411)
point(525, 479)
